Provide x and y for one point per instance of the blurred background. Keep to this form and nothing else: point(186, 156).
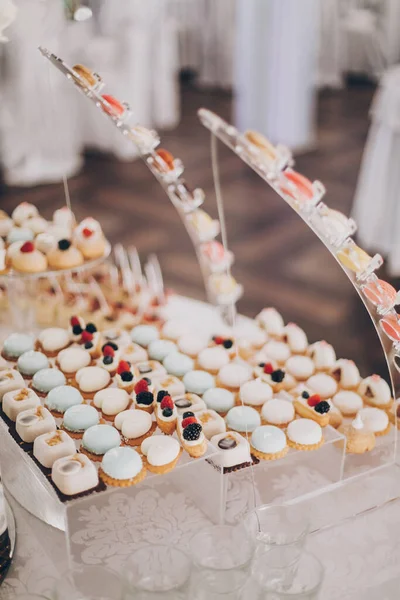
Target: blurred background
point(320, 76)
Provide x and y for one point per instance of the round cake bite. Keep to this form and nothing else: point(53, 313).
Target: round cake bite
point(159, 349)
point(198, 382)
point(52, 340)
point(122, 467)
point(162, 453)
point(322, 384)
point(346, 374)
point(323, 355)
point(271, 320)
point(213, 359)
point(295, 338)
point(45, 380)
point(135, 426)
point(234, 375)
point(255, 393)
point(375, 419)
point(98, 439)
point(300, 367)
point(348, 402)
point(16, 344)
point(277, 412)
point(60, 398)
point(276, 351)
point(268, 443)
point(178, 364)
point(191, 344)
point(375, 391)
point(90, 380)
point(304, 434)
point(64, 256)
point(28, 259)
point(71, 360)
point(31, 362)
point(243, 419)
point(111, 401)
point(219, 399)
point(78, 418)
point(144, 335)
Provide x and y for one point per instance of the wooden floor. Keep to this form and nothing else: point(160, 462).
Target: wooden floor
point(278, 259)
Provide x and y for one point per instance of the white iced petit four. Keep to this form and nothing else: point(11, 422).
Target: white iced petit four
point(323, 355)
point(111, 401)
point(33, 422)
point(49, 447)
point(10, 380)
point(270, 320)
point(53, 339)
point(74, 474)
point(19, 400)
point(348, 402)
point(234, 375)
point(295, 338)
point(304, 434)
point(172, 385)
point(300, 367)
point(70, 360)
point(219, 399)
point(92, 379)
point(375, 392)
point(375, 419)
point(346, 373)
point(255, 392)
point(233, 448)
point(277, 412)
point(322, 384)
point(212, 423)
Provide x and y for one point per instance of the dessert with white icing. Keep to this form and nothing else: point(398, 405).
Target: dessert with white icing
point(33, 422)
point(268, 442)
point(17, 401)
point(135, 426)
point(210, 420)
point(304, 434)
point(49, 447)
point(162, 453)
point(375, 391)
point(111, 401)
point(278, 412)
point(74, 474)
point(234, 450)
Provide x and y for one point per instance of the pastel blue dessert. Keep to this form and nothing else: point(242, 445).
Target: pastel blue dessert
point(144, 335)
point(159, 349)
point(80, 417)
point(198, 382)
point(178, 364)
point(47, 379)
point(20, 234)
point(219, 399)
point(16, 344)
point(62, 397)
point(122, 463)
point(100, 438)
point(243, 419)
point(31, 362)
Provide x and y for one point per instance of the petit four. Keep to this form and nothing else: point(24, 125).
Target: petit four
point(375, 391)
point(111, 401)
point(144, 334)
point(346, 373)
point(348, 402)
point(89, 239)
point(150, 369)
point(335, 416)
point(161, 453)
point(16, 344)
point(166, 414)
point(33, 422)
point(64, 217)
point(45, 242)
point(304, 434)
point(295, 338)
point(312, 407)
point(135, 426)
point(323, 355)
point(219, 399)
point(174, 329)
point(268, 443)
point(359, 438)
point(134, 353)
point(255, 393)
point(122, 467)
point(124, 376)
point(191, 435)
point(70, 360)
point(211, 421)
point(31, 362)
point(276, 351)
point(205, 228)
point(189, 401)
point(98, 439)
point(6, 224)
point(110, 358)
point(243, 419)
point(49, 447)
point(375, 419)
point(143, 396)
point(60, 398)
point(78, 418)
point(173, 385)
point(234, 375)
point(10, 380)
point(64, 256)
point(277, 379)
point(159, 349)
point(192, 345)
point(278, 412)
point(296, 186)
point(28, 259)
point(91, 380)
point(52, 340)
point(213, 359)
point(198, 382)
point(234, 450)
point(74, 474)
point(270, 320)
point(178, 364)
point(322, 384)
point(19, 234)
point(300, 367)
point(46, 379)
point(91, 340)
point(122, 339)
point(19, 400)
point(36, 224)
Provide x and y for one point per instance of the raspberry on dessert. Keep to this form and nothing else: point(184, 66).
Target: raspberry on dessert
point(322, 407)
point(87, 232)
point(144, 398)
point(167, 402)
point(64, 244)
point(123, 365)
point(192, 432)
point(313, 400)
point(27, 247)
point(268, 368)
point(187, 414)
point(126, 376)
point(107, 350)
point(74, 321)
point(87, 336)
point(141, 386)
point(278, 376)
point(167, 412)
point(188, 421)
point(91, 327)
point(161, 394)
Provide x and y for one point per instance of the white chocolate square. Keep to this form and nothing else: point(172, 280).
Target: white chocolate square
point(212, 423)
point(172, 385)
point(189, 402)
point(236, 455)
point(17, 401)
point(10, 379)
point(49, 447)
point(34, 422)
point(74, 474)
point(151, 369)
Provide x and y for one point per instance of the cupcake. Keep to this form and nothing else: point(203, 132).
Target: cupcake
point(49, 447)
point(16, 344)
point(219, 399)
point(74, 474)
point(28, 259)
point(211, 422)
point(243, 419)
point(16, 401)
point(359, 438)
point(122, 467)
point(64, 256)
point(90, 380)
point(161, 453)
point(70, 360)
point(233, 451)
point(89, 239)
point(213, 359)
point(144, 335)
point(277, 412)
point(33, 422)
point(78, 418)
point(300, 367)
point(60, 398)
point(198, 382)
point(348, 402)
point(323, 355)
point(135, 426)
point(322, 384)
point(52, 340)
point(271, 320)
point(46, 379)
point(255, 393)
point(31, 362)
point(268, 443)
point(97, 440)
point(346, 374)
point(375, 391)
point(304, 434)
point(233, 376)
point(375, 419)
point(111, 401)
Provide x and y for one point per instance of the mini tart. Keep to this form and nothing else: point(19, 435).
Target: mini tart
point(89, 239)
point(268, 443)
point(16, 344)
point(277, 412)
point(16, 401)
point(375, 419)
point(375, 391)
point(144, 335)
point(122, 467)
point(150, 368)
point(60, 398)
point(345, 372)
point(50, 341)
point(76, 328)
point(213, 359)
point(191, 344)
point(276, 351)
point(190, 433)
point(74, 474)
point(98, 439)
point(90, 380)
point(211, 422)
point(322, 384)
point(166, 415)
point(46, 379)
point(300, 367)
point(198, 382)
point(243, 419)
point(348, 402)
point(277, 379)
point(135, 426)
point(304, 434)
point(49, 447)
point(28, 259)
point(144, 400)
point(173, 385)
point(111, 401)
point(312, 407)
point(219, 399)
point(159, 349)
point(323, 355)
point(162, 453)
point(78, 418)
point(359, 439)
point(31, 362)
point(10, 380)
point(65, 256)
point(134, 353)
point(190, 402)
point(178, 364)
point(271, 320)
point(234, 450)
point(125, 377)
point(70, 360)
point(34, 422)
point(255, 393)
point(233, 376)
point(295, 338)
